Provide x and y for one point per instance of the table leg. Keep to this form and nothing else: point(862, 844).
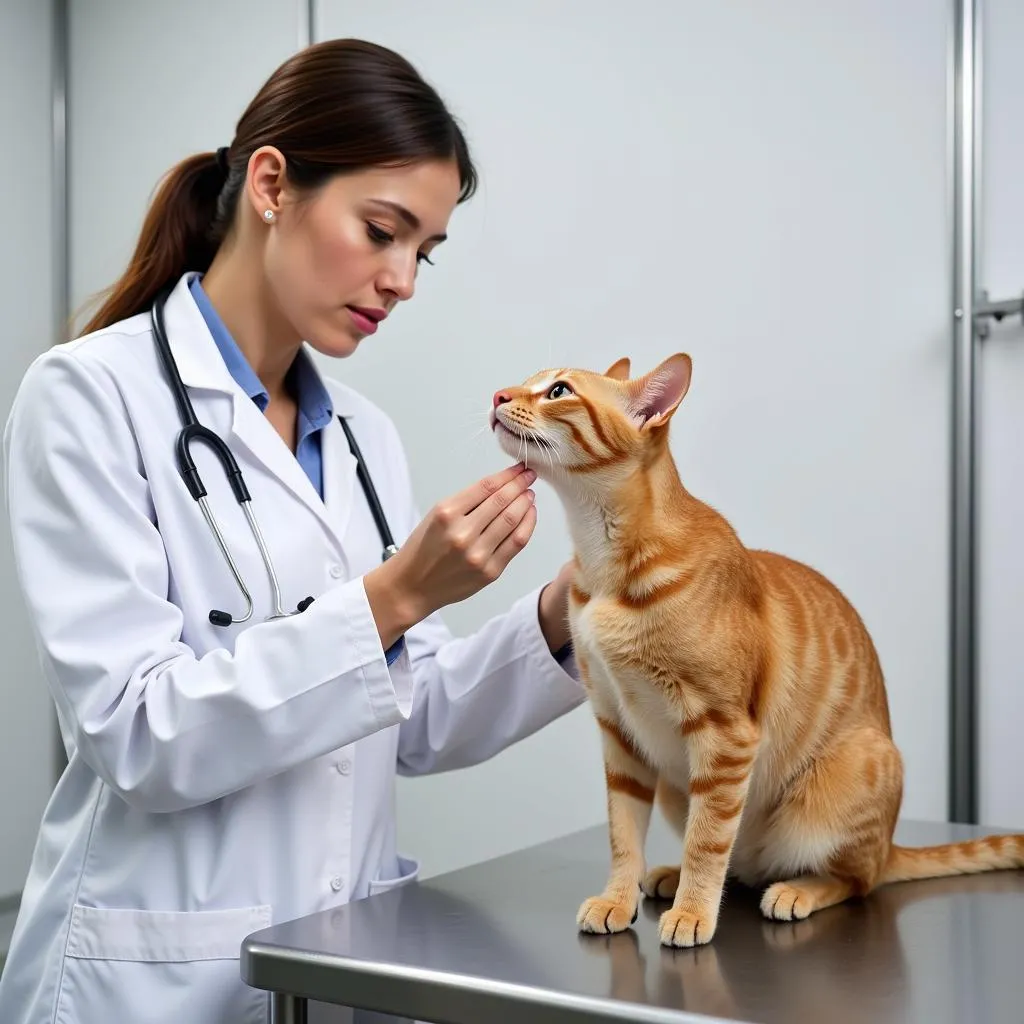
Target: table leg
point(287, 1009)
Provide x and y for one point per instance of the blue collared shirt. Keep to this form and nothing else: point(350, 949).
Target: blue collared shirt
point(312, 398)
point(315, 408)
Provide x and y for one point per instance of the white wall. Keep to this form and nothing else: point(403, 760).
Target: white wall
point(1001, 418)
point(150, 84)
point(761, 185)
point(27, 729)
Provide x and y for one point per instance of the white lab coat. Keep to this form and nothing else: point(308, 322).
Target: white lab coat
point(220, 780)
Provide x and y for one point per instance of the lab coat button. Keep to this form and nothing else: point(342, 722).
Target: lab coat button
point(337, 571)
point(344, 767)
point(337, 883)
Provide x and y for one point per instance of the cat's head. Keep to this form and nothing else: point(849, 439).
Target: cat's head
point(585, 425)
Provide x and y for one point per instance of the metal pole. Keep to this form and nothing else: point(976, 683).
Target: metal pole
point(61, 255)
point(307, 23)
point(59, 166)
point(963, 717)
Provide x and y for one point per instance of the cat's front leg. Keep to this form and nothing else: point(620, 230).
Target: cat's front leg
point(721, 763)
point(630, 786)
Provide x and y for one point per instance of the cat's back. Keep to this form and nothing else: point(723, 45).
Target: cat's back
point(821, 650)
point(805, 591)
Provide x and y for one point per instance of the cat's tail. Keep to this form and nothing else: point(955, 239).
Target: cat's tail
point(993, 853)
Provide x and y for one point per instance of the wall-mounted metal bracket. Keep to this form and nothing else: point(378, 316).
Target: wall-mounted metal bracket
point(986, 310)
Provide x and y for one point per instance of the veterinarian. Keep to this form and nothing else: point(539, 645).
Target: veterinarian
point(243, 663)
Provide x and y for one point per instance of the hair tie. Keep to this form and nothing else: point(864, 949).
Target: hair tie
point(222, 160)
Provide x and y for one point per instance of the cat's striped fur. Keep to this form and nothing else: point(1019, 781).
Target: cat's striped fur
point(738, 688)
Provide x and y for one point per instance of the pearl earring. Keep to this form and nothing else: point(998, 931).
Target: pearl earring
point(268, 215)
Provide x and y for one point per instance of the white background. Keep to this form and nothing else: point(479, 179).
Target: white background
point(762, 186)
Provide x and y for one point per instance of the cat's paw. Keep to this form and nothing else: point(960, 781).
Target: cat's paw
point(601, 917)
point(784, 902)
point(661, 882)
point(683, 928)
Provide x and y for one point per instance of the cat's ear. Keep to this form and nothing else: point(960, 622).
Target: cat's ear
point(619, 370)
point(657, 395)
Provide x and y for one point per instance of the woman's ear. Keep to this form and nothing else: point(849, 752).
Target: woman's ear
point(266, 181)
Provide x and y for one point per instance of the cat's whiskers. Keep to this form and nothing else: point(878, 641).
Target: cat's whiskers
point(475, 438)
point(470, 416)
point(530, 434)
point(552, 450)
point(546, 444)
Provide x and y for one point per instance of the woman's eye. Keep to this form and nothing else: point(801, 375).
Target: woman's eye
point(382, 237)
point(378, 234)
point(559, 390)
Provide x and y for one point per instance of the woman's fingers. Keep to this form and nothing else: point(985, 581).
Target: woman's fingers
point(514, 542)
point(495, 507)
point(502, 525)
point(472, 497)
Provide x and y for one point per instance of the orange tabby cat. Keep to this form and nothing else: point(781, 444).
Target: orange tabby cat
point(738, 687)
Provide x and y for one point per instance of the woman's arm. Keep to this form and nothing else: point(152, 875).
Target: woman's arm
point(475, 696)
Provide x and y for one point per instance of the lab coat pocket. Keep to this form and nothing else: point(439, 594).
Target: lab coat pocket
point(408, 871)
point(145, 965)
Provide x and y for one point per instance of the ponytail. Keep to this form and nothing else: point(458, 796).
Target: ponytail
point(178, 234)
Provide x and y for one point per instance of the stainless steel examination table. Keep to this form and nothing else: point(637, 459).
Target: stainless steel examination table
point(497, 943)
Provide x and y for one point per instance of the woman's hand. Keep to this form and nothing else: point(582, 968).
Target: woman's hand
point(553, 608)
point(463, 544)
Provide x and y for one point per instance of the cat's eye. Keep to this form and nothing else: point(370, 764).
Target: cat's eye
point(559, 390)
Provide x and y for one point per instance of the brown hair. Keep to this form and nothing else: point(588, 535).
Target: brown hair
point(335, 107)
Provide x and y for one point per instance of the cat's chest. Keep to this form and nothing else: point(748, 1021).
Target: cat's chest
point(622, 687)
point(618, 640)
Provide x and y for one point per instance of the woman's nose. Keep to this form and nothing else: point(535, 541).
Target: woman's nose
point(500, 397)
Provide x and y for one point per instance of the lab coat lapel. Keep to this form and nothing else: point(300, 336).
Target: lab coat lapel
point(339, 475)
point(202, 369)
point(253, 431)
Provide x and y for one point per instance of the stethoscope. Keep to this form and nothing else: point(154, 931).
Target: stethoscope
point(193, 430)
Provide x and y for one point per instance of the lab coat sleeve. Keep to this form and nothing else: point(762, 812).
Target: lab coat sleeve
point(475, 696)
point(165, 728)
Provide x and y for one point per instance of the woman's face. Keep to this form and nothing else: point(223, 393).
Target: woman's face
point(338, 261)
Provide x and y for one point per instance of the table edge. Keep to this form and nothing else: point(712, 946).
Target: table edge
point(468, 997)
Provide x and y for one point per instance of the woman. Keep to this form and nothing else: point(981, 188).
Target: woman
point(222, 777)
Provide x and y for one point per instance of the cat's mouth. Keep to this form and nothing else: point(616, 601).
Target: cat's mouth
point(517, 432)
point(520, 442)
point(509, 431)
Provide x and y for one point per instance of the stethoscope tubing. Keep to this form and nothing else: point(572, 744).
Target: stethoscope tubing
point(192, 431)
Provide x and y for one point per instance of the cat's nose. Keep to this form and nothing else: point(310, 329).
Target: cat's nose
point(501, 397)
